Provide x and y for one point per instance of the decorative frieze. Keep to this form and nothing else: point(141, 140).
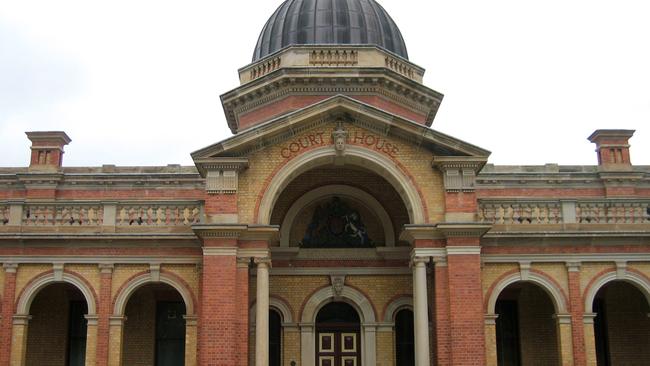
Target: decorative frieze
point(157, 214)
point(63, 214)
point(520, 213)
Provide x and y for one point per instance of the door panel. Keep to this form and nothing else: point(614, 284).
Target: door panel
point(338, 348)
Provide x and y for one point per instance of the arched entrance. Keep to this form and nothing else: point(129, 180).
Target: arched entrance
point(338, 336)
point(154, 329)
point(526, 331)
point(58, 327)
point(621, 325)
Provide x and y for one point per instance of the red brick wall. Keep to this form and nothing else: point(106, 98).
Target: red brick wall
point(628, 325)
point(466, 315)
point(218, 338)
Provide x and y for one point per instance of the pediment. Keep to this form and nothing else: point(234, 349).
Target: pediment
point(336, 110)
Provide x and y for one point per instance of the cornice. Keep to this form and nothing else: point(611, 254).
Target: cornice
point(225, 163)
point(470, 229)
point(325, 80)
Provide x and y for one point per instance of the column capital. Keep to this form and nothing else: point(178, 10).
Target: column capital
point(91, 320)
point(588, 318)
point(262, 261)
point(573, 266)
point(116, 320)
point(439, 261)
point(243, 262)
point(419, 261)
point(191, 320)
point(10, 267)
point(491, 319)
point(563, 318)
point(21, 319)
point(106, 268)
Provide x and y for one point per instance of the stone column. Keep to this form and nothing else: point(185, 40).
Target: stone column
point(262, 315)
point(421, 309)
point(91, 340)
point(9, 294)
point(590, 339)
point(491, 338)
point(19, 339)
point(565, 339)
point(115, 331)
point(191, 338)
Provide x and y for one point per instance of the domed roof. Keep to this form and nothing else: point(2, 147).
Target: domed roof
point(306, 22)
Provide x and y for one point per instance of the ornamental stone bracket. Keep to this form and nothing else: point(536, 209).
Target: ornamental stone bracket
point(251, 239)
point(459, 171)
point(463, 230)
point(221, 174)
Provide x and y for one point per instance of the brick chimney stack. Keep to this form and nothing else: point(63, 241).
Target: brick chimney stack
point(47, 149)
point(613, 149)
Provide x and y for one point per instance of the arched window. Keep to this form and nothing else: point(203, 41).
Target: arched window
point(404, 345)
point(275, 338)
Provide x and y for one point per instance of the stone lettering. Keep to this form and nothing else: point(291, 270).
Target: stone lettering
point(361, 138)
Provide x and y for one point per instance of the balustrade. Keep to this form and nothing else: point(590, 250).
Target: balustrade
point(516, 213)
point(158, 215)
point(4, 215)
point(615, 212)
point(62, 214)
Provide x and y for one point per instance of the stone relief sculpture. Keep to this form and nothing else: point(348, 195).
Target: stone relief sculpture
point(336, 225)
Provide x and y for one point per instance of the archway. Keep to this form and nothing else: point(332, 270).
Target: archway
point(58, 327)
point(356, 300)
point(526, 331)
point(154, 327)
point(354, 156)
point(338, 335)
point(621, 325)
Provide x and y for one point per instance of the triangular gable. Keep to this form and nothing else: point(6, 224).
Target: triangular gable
point(337, 108)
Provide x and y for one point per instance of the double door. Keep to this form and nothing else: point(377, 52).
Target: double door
point(338, 346)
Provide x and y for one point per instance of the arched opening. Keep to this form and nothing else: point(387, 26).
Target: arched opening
point(57, 329)
point(404, 334)
point(622, 325)
point(339, 207)
point(154, 329)
point(526, 331)
point(275, 338)
point(338, 340)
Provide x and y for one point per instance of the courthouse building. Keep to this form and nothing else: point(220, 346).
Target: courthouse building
point(336, 227)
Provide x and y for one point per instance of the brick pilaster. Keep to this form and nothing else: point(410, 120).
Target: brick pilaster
point(7, 312)
point(577, 315)
point(243, 305)
point(441, 312)
point(218, 340)
point(466, 321)
point(104, 313)
point(466, 318)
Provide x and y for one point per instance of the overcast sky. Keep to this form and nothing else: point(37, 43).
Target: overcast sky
point(138, 82)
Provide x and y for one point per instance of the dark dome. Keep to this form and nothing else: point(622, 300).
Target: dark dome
point(300, 22)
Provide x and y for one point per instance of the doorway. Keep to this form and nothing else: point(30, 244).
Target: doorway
point(338, 338)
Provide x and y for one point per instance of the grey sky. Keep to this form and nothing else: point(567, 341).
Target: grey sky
point(137, 82)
